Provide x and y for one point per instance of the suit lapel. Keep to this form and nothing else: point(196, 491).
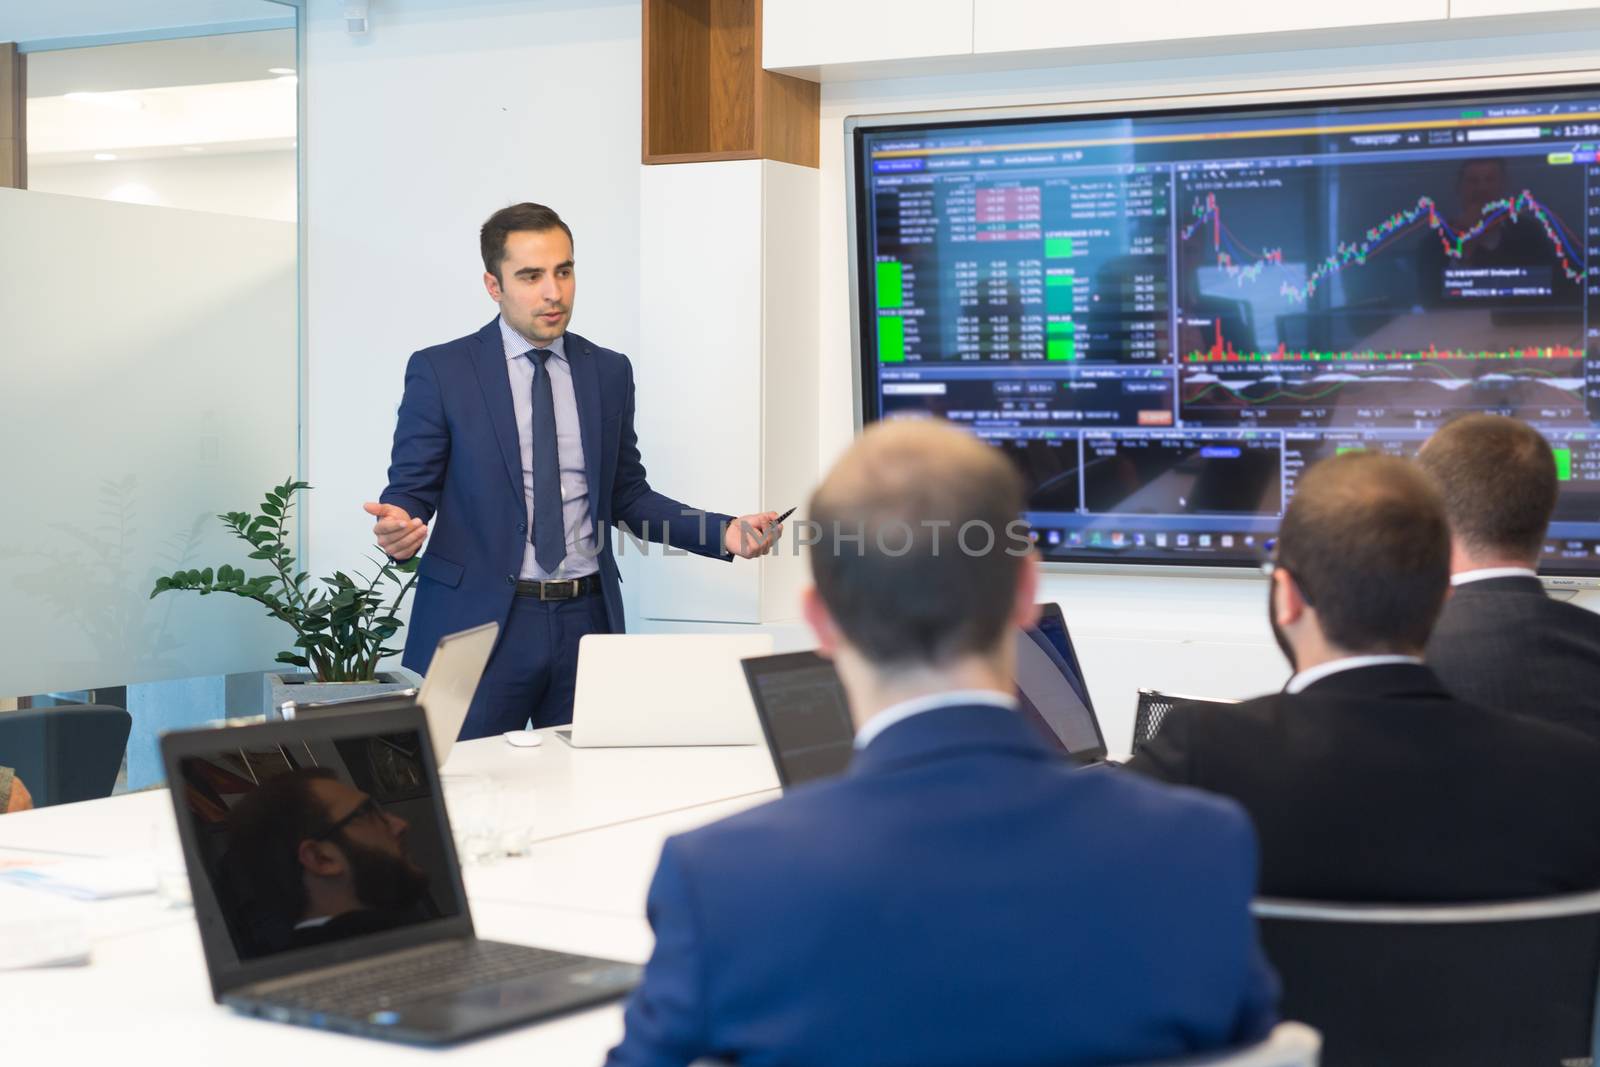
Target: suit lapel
point(489, 361)
point(586, 387)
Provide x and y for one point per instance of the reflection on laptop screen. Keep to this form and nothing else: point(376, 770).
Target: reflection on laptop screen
point(804, 715)
point(309, 843)
point(1050, 687)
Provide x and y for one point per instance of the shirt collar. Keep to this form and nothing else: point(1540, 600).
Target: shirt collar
point(1483, 574)
point(907, 708)
point(1349, 663)
point(517, 346)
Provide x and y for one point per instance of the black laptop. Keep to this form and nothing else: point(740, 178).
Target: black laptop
point(1051, 691)
point(328, 893)
point(805, 715)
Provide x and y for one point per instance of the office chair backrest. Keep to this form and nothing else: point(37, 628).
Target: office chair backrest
point(1154, 707)
point(1289, 1045)
point(66, 753)
point(1464, 985)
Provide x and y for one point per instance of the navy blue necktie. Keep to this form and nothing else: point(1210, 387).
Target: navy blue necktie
point(549, 525)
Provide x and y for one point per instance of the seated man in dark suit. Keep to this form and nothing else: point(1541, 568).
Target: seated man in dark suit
point(961, 895)
point(1366, 778)
point(1501, 642)
point(322, 861)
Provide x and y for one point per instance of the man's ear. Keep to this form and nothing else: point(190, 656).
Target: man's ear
point(492, 284)
point(1288, 605)
point(321, 859)
point(1025, 608)
point(815, 612)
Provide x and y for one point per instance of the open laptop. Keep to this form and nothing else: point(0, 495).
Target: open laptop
point(636, 690)
point(327, 890)
point(446, 694)
point(805, 716)
point(1051, 691)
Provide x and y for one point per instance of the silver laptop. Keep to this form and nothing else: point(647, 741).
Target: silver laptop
point(446, 694)
point(639, 690)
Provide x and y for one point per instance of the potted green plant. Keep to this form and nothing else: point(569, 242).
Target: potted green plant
point(341, 630)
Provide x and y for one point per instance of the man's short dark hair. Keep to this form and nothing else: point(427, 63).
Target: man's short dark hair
point(264, 835)
point(918, 558)
point(1365, 539)
point(1499, 481)
point(514, 219)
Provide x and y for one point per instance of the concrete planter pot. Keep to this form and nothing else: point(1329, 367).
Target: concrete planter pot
point(299, 687)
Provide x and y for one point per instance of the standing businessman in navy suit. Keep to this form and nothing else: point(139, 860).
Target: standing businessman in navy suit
point(519, 439)
point(962, 895)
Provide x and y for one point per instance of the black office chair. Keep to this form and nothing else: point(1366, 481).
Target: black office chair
point(1464, 985)
point(67, 753)
point(1153, 709)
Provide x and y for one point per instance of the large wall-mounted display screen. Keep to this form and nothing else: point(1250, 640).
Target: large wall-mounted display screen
point(1165, 317)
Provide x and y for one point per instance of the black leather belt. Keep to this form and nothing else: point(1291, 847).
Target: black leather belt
point(563, 589)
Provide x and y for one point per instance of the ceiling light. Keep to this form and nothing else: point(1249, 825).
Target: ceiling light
point(105, 157)
point(280, 70)
point(193, 148)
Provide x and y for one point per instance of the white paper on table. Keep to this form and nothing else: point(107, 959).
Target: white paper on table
point(86, 879)
point(42, 941)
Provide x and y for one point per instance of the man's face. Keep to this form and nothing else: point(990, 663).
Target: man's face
point(1480, 182)
point(536, 284)
point(374, 848)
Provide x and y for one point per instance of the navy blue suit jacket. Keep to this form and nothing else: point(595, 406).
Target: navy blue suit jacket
point(456, 456)
point(960, 896)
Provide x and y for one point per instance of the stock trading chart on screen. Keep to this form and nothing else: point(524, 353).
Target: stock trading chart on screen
point(1164, 318)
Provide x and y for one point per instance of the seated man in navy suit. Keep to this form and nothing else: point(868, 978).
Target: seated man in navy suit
point(1501, 642)
point(961, 896)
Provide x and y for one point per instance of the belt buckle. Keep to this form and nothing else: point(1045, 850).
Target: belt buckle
point(572, 583)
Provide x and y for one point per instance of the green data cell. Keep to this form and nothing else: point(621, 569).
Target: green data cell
point(1563, 464)
point(1061, 348)
point(1058, 292)
point(891, 284)
point(1058, 248)
point(891, 339)
point(1060, 328)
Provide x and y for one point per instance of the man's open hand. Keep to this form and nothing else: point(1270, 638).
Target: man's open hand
point(750, 536)
point(398, 534)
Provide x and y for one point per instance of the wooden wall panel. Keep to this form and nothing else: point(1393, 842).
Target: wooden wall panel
point(13, 119)
point(677, 77)
point(706, 97)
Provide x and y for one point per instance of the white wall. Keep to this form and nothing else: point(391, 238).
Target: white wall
point(415, 133)
point(258, 185)
point(1196, 635)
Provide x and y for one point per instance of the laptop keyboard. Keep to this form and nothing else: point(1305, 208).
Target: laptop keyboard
point(450, 967)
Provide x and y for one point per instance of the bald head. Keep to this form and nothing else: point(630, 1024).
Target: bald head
point(921, 544)
point(1366, 542)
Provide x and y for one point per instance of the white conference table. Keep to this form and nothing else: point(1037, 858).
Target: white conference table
point(558, 789)
point(597, 817)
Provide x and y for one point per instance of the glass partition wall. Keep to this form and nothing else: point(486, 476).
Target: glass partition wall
point(149, 326)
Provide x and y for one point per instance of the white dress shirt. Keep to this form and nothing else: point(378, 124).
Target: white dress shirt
point(1483, 574)
point(1349, 663)
point(904, 710)
point(582, 552)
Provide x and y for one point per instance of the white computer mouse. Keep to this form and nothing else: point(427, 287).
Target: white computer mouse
point(523, 738)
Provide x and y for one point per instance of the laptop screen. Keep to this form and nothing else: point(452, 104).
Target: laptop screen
point(1050, 687)
point(803, 713)
point(309, 834)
